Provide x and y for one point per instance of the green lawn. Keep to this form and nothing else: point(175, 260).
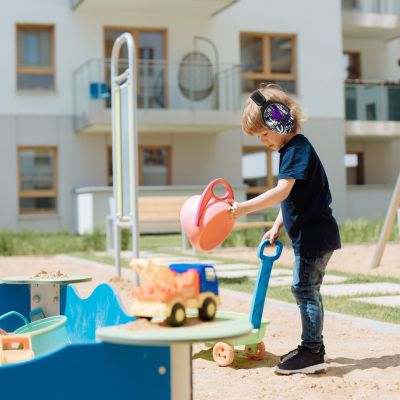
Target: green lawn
point(343, 305)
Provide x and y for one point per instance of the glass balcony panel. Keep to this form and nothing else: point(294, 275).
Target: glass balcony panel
point(372, 102)
point(372, 6)
point(161, 85)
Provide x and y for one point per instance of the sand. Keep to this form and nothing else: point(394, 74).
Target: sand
point(363, 364)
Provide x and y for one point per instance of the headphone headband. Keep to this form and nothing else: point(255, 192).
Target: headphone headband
point(274, 114)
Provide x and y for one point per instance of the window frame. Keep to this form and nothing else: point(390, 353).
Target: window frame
point(267, 74)
point(355, 56)
point(38, 193)
point(36, 70)
point(134, 31)
point(169, 161)
point(359, 169)
point(269, 179)
point(140, 158)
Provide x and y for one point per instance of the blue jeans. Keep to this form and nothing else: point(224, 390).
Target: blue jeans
point(308, 273)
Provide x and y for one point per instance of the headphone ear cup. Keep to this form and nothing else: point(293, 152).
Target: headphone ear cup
point(278, 117)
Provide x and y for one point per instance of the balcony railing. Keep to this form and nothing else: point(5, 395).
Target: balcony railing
point(373, 101)
point(372, 6)
point(161, 85)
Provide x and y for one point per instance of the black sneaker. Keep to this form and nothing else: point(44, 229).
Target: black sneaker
point(302, 360)
point(282, 358)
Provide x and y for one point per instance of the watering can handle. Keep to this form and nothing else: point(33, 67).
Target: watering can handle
point(208, 194)
point(8, 314)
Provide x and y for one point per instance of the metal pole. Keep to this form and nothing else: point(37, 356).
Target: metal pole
point(128, 78)
point(387, 225)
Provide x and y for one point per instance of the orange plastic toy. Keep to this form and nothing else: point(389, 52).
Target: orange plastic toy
point(205, 219)
point(15, 348)
point(167, 293)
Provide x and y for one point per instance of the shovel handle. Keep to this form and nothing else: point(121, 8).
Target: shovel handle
point(208, 194)
point(266, 243)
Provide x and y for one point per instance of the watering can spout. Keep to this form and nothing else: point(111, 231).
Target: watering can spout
point(205, 219)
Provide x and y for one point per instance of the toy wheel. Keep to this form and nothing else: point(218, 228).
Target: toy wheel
point(223, 354)
point(178, 315)
point(208, 309)
point(260, 352)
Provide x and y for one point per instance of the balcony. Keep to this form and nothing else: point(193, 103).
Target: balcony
point(194, 7)
point(373, 109)
point(371, 19)
point(171, 98)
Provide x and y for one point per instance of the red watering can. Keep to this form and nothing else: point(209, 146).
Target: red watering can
point(205, 219)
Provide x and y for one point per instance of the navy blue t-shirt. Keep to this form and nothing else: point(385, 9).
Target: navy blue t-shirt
point(306, 212)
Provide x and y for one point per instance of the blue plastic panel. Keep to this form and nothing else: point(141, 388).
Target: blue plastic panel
point(101, 308)
point(91, 371)
point(14, 298)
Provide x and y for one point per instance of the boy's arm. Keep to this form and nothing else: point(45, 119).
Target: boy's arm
point(265, 200)
point(278, 224)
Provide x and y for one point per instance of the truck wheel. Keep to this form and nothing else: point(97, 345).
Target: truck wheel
point(208, 309)
point(223, 354)
point(178, 315)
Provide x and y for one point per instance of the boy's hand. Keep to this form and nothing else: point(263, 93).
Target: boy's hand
point(271, 235)
point(236, 209)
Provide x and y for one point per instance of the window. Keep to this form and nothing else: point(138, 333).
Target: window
point(354, 163)
point(109, 166)
point(350, 4)
point(37, 179)
point(268, 58)
point(154, 165)
point(260, 168)
point(35, 57)
point(151, 69)
point(210, 274)
point(351, 65)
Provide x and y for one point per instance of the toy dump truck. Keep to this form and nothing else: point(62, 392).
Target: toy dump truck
point(15, 348)
point(171, 290)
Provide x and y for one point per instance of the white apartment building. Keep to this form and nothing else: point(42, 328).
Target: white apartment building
point(371, 48)
point(197, 62)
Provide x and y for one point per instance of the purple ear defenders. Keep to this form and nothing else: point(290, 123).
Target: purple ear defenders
point(275, 115)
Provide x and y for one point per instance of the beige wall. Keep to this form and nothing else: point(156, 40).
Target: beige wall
point(81, 162)
point(199, 158)
point(381, 160)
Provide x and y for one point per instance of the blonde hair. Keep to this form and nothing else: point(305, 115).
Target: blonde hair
point(252, 123)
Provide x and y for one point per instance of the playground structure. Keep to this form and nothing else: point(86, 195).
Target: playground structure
point(171, 290)
point(124, 148)
point(387, 225)
point(15, 349)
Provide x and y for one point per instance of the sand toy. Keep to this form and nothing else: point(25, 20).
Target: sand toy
point(254, 347)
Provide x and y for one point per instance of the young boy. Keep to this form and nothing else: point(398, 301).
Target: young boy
point(305, 212)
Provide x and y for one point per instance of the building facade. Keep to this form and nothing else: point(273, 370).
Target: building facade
point(197, 63)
